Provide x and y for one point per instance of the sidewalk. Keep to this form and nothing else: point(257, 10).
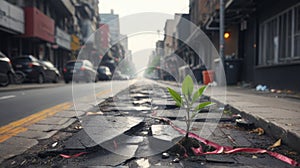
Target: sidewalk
point(279, 117)
point(277, 114)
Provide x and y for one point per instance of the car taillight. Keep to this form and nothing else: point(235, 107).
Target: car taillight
point(82, 68)
point(30, 65)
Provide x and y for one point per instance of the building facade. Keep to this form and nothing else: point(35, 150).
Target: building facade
point(105, 38)
point(124, 43)
point(263, 34)
point(12, 25)
point(112, 20)
point(48, 30)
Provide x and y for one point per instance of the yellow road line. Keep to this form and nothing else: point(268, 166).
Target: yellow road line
point(21, 125)
point(12, 133)
point(103, 92)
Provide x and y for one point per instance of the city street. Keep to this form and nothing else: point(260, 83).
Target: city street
point(149, 84)
point(135, 129)
point(16, 105)
point(23, 104)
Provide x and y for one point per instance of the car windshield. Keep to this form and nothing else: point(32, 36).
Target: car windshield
point(75, 65)
point(78, 65)
point(21, 60)
point(101, 70)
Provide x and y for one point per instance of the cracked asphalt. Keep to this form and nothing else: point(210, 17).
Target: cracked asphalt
point(126, 131)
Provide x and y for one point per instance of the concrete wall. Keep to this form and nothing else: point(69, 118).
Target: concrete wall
point(231, 44)
point(284, 76)
point(248, 50)
point(279, 77)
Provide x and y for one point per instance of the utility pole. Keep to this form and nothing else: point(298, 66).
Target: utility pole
point(222, 25)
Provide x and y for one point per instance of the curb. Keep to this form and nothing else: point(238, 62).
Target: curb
point(29, 87)
point(272, 129)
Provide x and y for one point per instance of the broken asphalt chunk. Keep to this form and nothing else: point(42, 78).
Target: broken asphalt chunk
point(244, 124)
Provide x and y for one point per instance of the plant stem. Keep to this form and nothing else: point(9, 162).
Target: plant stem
point(188, 120)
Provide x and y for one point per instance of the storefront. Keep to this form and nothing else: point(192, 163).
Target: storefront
point(75, 45)
point(62, 48)
point(39, 34)
point(11, 26)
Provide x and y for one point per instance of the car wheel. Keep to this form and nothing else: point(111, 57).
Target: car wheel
point(66, 81)
point(19, 77)
point(40, 79)
point(56, 78)
point(5, 82)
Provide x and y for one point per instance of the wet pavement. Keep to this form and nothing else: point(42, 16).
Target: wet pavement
point(128, 131)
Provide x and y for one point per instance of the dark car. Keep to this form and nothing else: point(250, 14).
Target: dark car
point(109, 63)
point(80, 70)
point(119, 76)
point(104, 73)
point(6, 70)
point(51, 72)
point(35, 70)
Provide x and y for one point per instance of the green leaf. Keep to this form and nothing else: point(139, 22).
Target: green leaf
point(203, 105)
point(175, 96)
point(187, 86)
point(178, 104)
point(198, 94)
point(194, 115)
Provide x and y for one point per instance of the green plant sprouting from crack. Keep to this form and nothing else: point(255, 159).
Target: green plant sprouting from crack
point(188, 99)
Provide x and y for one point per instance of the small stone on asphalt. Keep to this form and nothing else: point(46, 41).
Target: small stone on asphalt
point(176, 160)
point(144, 133)
point(165, 155)
point(54, 144)
point(13, 162)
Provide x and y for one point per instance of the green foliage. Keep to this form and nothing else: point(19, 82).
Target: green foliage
point(189, 99)
point(203, 105)
point(198, 94)
point(153, 64)
point(187, 87)
point(175, 96)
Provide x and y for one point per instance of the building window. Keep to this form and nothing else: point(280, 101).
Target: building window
point(297, 32)
point(280, 38)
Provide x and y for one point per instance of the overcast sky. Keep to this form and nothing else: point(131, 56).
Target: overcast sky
point(142, 28)
point(128, 7)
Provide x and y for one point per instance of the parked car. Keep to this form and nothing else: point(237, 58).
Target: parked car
point(51, 72)
point(119, 76)
point(6, 70)
point(104, 73)
point(80, 70)
point(35, 70)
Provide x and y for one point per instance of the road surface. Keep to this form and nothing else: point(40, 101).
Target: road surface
point(16, 105)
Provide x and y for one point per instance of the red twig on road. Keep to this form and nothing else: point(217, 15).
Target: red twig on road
point(228, 149)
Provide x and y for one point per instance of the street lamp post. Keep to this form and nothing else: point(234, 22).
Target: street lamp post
point(222, 24)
